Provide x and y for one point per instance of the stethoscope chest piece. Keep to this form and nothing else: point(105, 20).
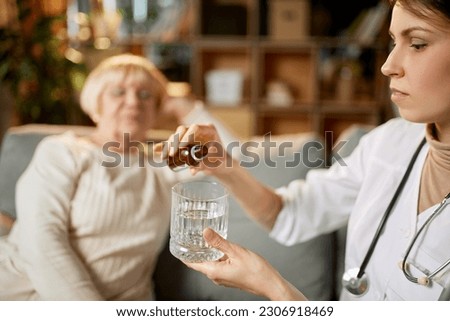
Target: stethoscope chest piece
point(353, 284)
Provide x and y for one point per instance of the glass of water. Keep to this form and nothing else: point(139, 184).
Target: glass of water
point(197, 205)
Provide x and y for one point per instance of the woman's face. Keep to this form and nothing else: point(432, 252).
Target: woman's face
point(419, 68)
point(127, 105)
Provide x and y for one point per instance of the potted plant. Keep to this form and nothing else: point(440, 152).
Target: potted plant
point(34, 67)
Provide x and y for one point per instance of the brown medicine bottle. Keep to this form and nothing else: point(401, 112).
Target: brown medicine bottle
point(190, 155)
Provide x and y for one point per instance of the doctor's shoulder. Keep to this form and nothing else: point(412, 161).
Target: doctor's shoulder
point(394, 135)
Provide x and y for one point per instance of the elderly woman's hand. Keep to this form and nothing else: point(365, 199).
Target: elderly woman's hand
point(245, 270)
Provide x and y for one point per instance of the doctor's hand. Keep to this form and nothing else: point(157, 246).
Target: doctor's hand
point(243, 269)
point(216, 162)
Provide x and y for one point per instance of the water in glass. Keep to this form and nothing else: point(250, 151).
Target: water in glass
point(196, 206)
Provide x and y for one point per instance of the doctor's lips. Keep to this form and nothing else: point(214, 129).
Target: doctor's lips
point(397, 94)
point(395, 91)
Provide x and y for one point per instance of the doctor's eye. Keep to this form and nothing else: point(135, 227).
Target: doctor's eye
point(418, 46)
point(417, 43)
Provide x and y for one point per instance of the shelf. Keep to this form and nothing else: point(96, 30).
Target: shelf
point(317, 99)
point(332, 126)
point(286, 123)
point(354, 106)
point(283, 111)
point(239, 120)
point(326, 83)
point(226, 42)
point(307, 43)
point(296, 68)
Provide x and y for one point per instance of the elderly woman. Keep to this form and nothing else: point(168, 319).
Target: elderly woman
point(86, 231)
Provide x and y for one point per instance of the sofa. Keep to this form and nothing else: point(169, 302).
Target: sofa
point(314, 266)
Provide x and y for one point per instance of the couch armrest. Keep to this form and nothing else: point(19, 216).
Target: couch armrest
point(17, 150)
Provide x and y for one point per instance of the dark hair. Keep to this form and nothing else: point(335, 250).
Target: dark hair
point(421, 8)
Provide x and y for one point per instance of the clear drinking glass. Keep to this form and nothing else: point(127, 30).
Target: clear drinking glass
point(197, 205)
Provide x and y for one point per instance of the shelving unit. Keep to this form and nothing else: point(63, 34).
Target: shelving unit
point(330, 86)
point(319, 104)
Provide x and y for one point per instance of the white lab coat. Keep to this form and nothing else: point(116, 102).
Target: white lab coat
point(358, 194)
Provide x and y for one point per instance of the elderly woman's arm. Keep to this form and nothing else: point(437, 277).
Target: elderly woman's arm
point(43, 198)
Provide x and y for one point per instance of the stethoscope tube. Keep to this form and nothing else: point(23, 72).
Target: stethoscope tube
point(354, 283)
point(425, 280)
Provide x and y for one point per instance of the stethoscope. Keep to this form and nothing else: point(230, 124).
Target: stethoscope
point(355, 280)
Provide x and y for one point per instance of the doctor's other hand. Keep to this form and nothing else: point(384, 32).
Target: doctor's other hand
point(243, 269)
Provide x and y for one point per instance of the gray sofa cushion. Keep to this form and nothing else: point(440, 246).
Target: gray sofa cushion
point(15, 155)
point(17, 149)
point(308, 266)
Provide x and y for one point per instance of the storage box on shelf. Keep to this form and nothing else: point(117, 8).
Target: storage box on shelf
point(222, 55)
point(289, 19)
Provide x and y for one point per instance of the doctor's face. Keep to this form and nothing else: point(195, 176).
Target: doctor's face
point(419, 67)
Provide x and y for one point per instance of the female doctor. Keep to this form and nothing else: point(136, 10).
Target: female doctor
point(393, 193)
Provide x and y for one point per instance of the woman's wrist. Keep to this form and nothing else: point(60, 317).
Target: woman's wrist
point(226, 169)
point(282, 290)
point(261, 203)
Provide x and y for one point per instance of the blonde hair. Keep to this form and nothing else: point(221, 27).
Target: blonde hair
point(113, 67)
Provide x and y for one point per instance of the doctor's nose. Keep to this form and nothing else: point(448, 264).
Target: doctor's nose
point(391, 67)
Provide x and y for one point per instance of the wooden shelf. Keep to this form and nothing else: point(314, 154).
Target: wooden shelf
point(269, 111)
point(328, 91)
point(286, 123)
point(318, 103)
point(239, 120)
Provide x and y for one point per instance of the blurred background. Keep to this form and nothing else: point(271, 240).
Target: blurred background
point(279, 66)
